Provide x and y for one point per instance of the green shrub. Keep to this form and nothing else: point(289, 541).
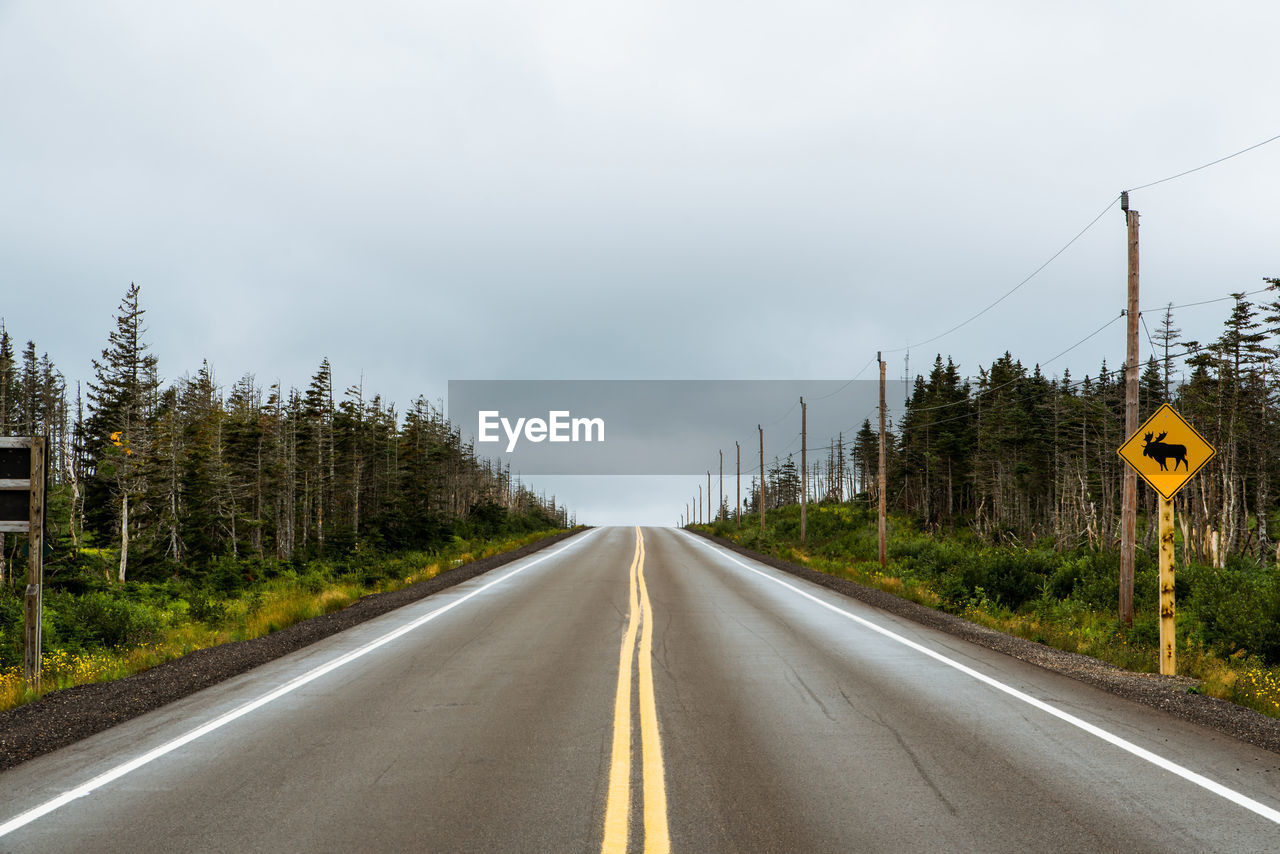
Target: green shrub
point(100, 619)
point(208, 609)
point(1091, 578)
point(1236, 607)
point(226, 575)
point(1145, 630)
point(315, 580)
point(11, 624)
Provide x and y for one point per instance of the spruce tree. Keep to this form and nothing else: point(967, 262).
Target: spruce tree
point(8, 382)
point(121, 398)
point(1166, 336)
point(28, 391)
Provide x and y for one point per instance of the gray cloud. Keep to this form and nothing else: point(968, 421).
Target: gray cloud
point(619, 190)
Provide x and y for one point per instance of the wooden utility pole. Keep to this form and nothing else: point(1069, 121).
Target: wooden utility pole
point(35, 565)
point(804, 471)
point(710, 517)
point(720, 506)
point(738, 491)
point(1129, 500)
point(761, 490)
point(23, 461)
point(884, 556)
point(1168, 634)
point(699, 504)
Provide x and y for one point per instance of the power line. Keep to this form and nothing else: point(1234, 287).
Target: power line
point(1005, 403)
point(1031, 276)
point(1011, 291)
point(850, 382)
point(869, 363)
point(1002, 404)
point(1068, 386)
point(1082, 340)
point(1218, 299)
point(1205, 166)
point(783, 415)
point(1143, 318)
point(969, 400)
point(1098, 331)
point(1069, 243)
point(1045, 362)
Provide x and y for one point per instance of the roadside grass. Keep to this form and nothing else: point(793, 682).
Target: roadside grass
point(203, 619)
point(1059, 600)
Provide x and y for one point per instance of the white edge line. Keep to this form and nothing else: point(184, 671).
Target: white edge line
point(119, 771)
point(1141, 752)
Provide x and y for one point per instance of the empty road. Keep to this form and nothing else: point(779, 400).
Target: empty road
point(644, 690)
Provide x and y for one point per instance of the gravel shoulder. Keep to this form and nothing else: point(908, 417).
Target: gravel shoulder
point(63, 717)
point(1167, 693)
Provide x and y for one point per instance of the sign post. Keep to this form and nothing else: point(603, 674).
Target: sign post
point(22, 482)
point(1166, 452)
point(1168, 637)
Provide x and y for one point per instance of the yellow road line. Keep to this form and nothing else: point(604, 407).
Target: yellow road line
point(618, 807)
point(657, 838)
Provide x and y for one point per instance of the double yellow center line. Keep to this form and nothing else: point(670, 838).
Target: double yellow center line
point(617, 814)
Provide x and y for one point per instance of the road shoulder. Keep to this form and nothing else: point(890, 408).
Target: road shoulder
point(63, 717)
point(1167, 693)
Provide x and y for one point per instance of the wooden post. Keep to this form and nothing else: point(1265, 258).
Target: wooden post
point(738, 491)
point(804, 471)
point(884, 559)
point(709, 516)
point(761, 490)
point(720, 506)
point(699, 504)
point(1129, 495)
point(35, 566)
point(1168, 636)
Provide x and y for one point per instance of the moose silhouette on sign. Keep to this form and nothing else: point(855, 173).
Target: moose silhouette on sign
point(1160, 452)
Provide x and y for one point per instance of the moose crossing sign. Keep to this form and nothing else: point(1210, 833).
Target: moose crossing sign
point(1166, 451)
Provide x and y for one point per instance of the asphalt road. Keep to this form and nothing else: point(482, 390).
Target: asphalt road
point(755, 712)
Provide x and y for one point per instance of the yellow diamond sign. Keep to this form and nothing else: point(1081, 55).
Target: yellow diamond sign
point(1166, 451)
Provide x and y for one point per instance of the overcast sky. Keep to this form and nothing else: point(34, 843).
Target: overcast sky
point(426, 191)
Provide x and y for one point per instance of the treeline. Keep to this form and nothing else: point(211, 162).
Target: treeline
point(1019, 456)
point(173, 477)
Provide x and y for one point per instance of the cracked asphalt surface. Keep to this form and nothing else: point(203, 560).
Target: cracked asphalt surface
point(787, 725)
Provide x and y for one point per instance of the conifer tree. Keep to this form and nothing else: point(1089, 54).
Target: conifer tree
point(8, 382)
point(121, 398)
point(1166, 337)
point(28, 391)
point(865, 454)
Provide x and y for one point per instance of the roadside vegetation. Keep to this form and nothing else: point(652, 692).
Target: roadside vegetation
point(182, 515)
point(97, 630)
point(1228, 617)
point(1005, 494)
